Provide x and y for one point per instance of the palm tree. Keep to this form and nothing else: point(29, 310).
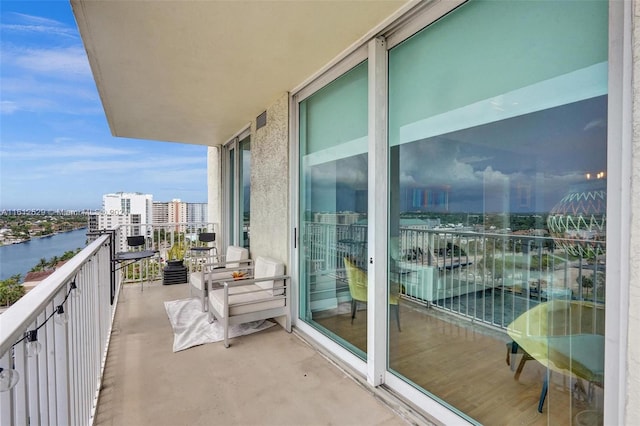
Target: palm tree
point(54, 261)
point(40, 266)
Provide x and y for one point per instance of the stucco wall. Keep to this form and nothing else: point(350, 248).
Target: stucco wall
point(270, 184)
point(633, 358)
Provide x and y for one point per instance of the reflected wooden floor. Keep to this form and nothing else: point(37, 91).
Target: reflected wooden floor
point(465, 365)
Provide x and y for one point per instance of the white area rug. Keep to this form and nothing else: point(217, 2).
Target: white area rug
point(191, 326)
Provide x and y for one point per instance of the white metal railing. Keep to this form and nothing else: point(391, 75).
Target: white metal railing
point(169, 240)
point(71, 314)
point(493, 278)
point(489, 278)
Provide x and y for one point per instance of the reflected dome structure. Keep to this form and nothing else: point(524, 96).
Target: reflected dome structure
point(578, 221)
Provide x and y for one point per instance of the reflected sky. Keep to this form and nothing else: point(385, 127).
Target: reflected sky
point(523, 164)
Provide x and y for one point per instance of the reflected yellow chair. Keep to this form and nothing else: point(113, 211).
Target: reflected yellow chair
point(565, 336)
point(357, 280)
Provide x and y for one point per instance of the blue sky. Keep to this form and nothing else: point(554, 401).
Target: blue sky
point(56, 149)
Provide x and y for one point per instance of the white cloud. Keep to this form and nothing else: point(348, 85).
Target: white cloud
point(35, 24)
point(48, 80)
point(48, 87)
point(35, 151)
point(8, 107)
point(133, 165)
point(62, 62)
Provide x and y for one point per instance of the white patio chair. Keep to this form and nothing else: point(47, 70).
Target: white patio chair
point(236, 259)
point(264, 296)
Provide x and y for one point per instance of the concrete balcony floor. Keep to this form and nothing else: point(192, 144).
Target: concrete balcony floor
point(267, 378)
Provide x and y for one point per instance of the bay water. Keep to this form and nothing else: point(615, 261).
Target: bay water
point(20, 258)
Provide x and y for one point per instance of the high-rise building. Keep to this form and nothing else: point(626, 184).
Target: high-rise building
point(160, 212)
point(197, 212)
point(177, 212)
point(132, 212)
point(129, 203)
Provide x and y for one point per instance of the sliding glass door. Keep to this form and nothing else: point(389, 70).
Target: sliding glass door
point(238, 190)
point(333, 209)
point(497, 173)
point(244, 192)
point(493, 169)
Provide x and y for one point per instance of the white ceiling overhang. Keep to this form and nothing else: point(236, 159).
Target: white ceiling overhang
point(198, 71)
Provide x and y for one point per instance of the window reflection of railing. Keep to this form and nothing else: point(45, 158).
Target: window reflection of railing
point(326, 245)
point(493, 278)
point(489, 278)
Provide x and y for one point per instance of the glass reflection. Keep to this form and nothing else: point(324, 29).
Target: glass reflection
point(333, 206)
point(500, 233)
point(245, 192)
point(497, 175)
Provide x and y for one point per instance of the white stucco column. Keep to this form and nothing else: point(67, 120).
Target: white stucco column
point(214, 189)
point(632, 404)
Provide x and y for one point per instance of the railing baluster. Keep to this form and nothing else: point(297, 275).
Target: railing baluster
point(33, 402)
point(7, 397)
point(20, 394)
point(61, 361)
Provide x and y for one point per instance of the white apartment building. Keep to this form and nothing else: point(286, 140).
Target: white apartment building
point(129, 203)
point(129, 224)
point(129, 211)
point(339, 218)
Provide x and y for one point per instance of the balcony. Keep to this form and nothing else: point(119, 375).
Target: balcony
point(113, 363)
point(271, 377)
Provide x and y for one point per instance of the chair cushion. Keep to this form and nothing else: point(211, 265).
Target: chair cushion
point(196, 278)
point(244, 303)
point(267, 267)
point(236, 253)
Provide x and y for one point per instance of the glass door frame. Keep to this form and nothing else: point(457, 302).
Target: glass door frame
point(231, 181)
point(339, 68)
point(618, 212)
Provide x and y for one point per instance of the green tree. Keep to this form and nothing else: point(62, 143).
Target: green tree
point(69, 254)
point(48, 229)
point(11, 290)
point(586, 282)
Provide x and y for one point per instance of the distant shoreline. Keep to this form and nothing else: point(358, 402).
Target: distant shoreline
point(43, 236)
point(21, 258)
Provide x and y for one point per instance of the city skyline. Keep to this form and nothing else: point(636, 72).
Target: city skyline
point(56, 149)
